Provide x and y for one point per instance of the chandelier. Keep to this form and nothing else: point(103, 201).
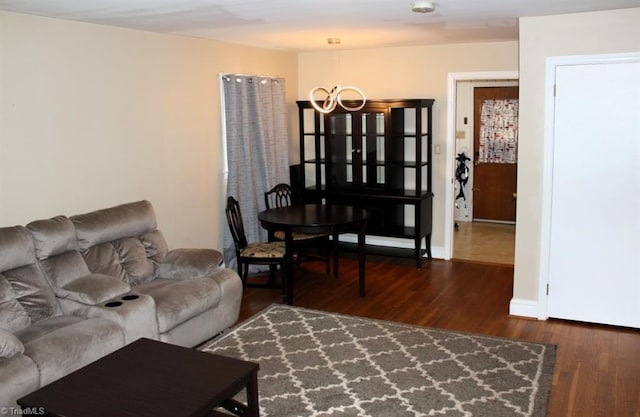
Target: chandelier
point(332, 98)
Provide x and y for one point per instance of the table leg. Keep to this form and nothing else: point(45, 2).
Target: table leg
point(361, 257)
point(418, 251)
point(336, 261)
point(288, 269)
point(253, 407)
point(427, 241)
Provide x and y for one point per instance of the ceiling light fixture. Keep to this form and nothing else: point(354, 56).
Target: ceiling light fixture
point(332, 98)
point(420, 6)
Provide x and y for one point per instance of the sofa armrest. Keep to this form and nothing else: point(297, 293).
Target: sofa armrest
point(93, 289)
point(10, 345)
point(190, 263)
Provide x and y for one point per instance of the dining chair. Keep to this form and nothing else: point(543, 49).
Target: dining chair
point(282, 195)
point(258, 253)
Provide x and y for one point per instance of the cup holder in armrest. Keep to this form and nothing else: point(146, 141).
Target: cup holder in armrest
point(113, 304)
point(118, 303)
point(130, 297)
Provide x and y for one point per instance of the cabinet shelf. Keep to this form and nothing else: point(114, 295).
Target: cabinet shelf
point(400, 232)
point(393, 164)
point(377, 158)
point(408, 164)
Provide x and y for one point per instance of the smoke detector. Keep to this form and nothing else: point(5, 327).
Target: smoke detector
point(423, 6)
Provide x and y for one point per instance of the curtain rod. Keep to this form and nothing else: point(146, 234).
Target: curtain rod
point(229, 74)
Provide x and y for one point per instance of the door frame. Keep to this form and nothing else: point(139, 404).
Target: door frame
point(547, 151)
point(452, 80)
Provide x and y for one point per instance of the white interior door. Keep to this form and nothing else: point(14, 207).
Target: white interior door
point(594, 247)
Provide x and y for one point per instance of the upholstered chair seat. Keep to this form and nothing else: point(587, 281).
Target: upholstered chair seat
point(264, 250)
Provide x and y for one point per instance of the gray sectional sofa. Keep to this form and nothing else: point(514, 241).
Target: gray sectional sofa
point(73, 289)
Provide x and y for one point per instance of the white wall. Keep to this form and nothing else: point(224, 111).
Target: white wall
point(541, 37)
point(92, 116)
point(463, 209)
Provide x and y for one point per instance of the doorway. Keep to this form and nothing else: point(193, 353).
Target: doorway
point(495, 138)
point(484, 206)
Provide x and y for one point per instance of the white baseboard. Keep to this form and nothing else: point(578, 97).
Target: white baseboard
point(523, 308)
point(437, 252)
point(392, 242)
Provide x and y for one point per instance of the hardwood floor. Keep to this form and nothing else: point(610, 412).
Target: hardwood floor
point(485, 242)
point(597, 371)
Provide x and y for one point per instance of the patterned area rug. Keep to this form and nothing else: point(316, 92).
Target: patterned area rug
point(314, 363)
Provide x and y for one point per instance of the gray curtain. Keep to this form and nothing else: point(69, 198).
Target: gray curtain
point(257, 139)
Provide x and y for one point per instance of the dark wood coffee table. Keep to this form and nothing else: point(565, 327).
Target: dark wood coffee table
point(150, 378)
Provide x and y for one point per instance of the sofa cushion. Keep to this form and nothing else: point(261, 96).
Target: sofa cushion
point(178, 301)
point(63, 344)
point(155, 246)
point(19, 376)
point(9, 344)
point(53, 236)
point(122, 241)
point(18, 265)
point(57, 250)
point(33, 292)
point(13, 316)
point(64, 268)
point(123, 258)
point(106, 225)
point(190, 263)
point(94, 289)
point(16, 248)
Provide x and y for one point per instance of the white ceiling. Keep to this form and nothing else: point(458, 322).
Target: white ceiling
point(305, 25)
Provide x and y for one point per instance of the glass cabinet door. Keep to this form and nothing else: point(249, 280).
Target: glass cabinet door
point(343, 151)
point(357, 150)
point(373, 150)
point(312, 149)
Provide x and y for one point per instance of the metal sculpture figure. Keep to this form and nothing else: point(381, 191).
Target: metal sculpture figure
point(462, 176)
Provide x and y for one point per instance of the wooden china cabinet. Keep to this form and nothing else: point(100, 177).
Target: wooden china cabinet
point(377, 158)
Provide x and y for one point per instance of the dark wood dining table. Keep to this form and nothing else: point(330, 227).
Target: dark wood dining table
point(317, 218)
